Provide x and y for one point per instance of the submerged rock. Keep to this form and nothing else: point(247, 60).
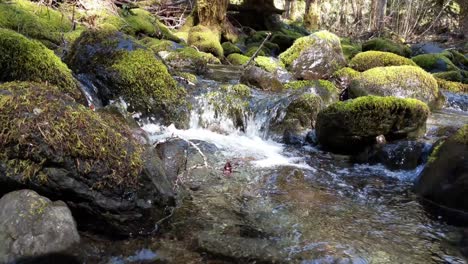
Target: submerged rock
point(63, 150)
point(353, 125)
point(22, 59)
point(399, 81)
point(314, 57)
point(400, 155)
point(121, 68)
point(444, 180)
point(32, 225)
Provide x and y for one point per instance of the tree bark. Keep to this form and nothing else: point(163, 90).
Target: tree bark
point(378, 8)
point(463, 17)
point(312, 15)
point(212, 13)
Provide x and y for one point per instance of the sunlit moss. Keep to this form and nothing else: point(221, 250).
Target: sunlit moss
point(237, 59)
point(371, 59)
point(205, 40)
point(381, 44)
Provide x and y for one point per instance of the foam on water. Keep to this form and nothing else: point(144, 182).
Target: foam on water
point(264, 153)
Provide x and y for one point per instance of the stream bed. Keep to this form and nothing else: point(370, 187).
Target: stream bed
point(283, 203)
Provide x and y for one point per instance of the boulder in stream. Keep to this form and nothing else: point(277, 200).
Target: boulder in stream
point(353, 125)
point(314, 57)
point(67, 152)
point(32, 225)
point(119, 67)
point(444, 180)
point(399, 81)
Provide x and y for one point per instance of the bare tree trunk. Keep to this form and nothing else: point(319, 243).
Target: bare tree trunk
point(463, 17)
point(311, 15)
point(378, 10)
point(212, 13)
point(287, 8)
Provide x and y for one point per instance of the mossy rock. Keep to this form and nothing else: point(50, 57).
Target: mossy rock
point(434, 63)
point(22, 59)
point(351, 126)
point(350, 48)
point(121, 68)
point(314, 57)
point(66, 150)
point(256, 76)
point(190, 58)
point(381, 44)
point(455, 87)
point(459, 59)
point(323, 88)
point(205, 40)
point(139, 22)
point(230, 48)
point(237, 59)
point(284, 41)
point(401, 81)
point(298, 115)
point(371, 59)
point(188, 76)
point(444, 179)
point(256, 37)
point(454, 76)
point(269, 64)
point(231, 101)
point(34, 20)
point(345, 74)
point(157, 45)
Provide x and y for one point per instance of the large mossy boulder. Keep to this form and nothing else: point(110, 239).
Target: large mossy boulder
point(353, 125)
point(444, 180)
point(435, 63)
point(34, 20)
point(381, 44)
point(454, 87)
point(121, 68)
point(63, 150)
point(372, 59)
point(32, 225)
point(230, 48)
point(314, 57)
point(22, 59)
point(205, 40)
point(399, 81)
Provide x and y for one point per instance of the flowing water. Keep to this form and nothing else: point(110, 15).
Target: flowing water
point(287, 204)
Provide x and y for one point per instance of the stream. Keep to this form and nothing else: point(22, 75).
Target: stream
point(285, 203)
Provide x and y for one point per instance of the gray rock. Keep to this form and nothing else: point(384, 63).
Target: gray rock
point(32, 225)
point(255, 76)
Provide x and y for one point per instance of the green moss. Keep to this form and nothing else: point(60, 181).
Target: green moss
point(434, 62)
point(435, 152)
point(350, 50)
point(230, 48)
point(257, 37)
point(462, 135)
point(22, 59)
point(157, 45)
point(294, 51)
point(188, 76)
point(137, 22)
point(56, 130)
point(303, 109)
point(386, 45)
point(371, 59)
point(232, 101)
point(251, 51)
point(145, 84)
point(205, 40)
point(455, 87)
point(454, 76)
point(237, 59)
point(458, 59)
point(267, 63)
point(191, 54)
point(346, 73)
point(401, 77)
point(284, 41)
point(34, 20)
point(325, 89)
